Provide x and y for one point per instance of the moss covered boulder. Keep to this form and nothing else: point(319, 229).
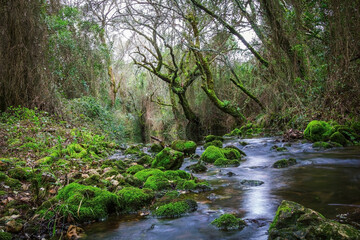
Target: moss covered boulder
point(133, 199)
point(144, 174)
point(228, 222)
point(223, 162)
point(318, 131)
point(133, 150)
point(339, 138)
point(187, 147)
point(211, 154)
point(169, 159)
point(216, 143)
point(211, 138)
point(134, 169)
point(283, 163)
point(157, 183)
point(198, 167)
point(294, 221)
point(156, 147)
point(86, 203)
point(176, 209)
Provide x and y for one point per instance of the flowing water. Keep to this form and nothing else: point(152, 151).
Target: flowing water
point(327, 181)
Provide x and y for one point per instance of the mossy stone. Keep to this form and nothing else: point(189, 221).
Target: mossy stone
point(134, 169)
point(337, 137)
point(133, 199)
point(144, 174)
point(318, 131)
point(146, 159)
point(231, 153)
point(13, 183)
point(211, 154)
point(133, 150)
point(235, 132)
point(169, 159)
point(176, 209)
point(187, 147)
point(283, 163)
point(236, 148)
point(228, 222)
point(155, 147)
point(198, 167)
point(222, 162)
point(211, 138)
point(216, 143)
point(86, 203)
point(19, 173)
point(157, 183)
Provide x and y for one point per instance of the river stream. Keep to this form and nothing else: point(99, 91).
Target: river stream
point(327, 181)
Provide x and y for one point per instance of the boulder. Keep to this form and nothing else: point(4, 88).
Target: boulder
point(187, 147)
point(294, 221)
point(318, 131)
point(169, 159)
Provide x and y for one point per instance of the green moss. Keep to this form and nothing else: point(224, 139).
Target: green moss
point(2, 193)
point(133, 150)
point(157, 183)
point(216, 143)
point(356, 127)
point(3, 176)
point(155, 147)
point(337, 137)
point(19, 173)
point(93, 180)
point(283, 163)
point(198, 167)
point(318, 131)
point(228, 222)
point(134, 169)
point(133, 199)
point(169, 159)
point(110, 173)
point(86, 203)
point(177, 174)
point(322, 145)
point(75, 150)
point(144, 174)
point(13, 183)
point(5, 236)
point(175, 209)
point(235, 132)
point(231, 153)
point(186, 185)
point(211, 138)
point(279, 149)
point(146, 159)
point(211, 154)
point(187, 147)
point(222, 162)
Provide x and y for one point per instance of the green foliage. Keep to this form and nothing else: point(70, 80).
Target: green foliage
point(133, 199)
point(86, 203)
point(169, 159)
point(228, 222)
point(5, 236)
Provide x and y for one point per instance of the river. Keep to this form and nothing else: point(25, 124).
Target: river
point(327, 181)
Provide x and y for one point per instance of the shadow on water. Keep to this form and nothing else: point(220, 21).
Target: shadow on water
point(327, 181)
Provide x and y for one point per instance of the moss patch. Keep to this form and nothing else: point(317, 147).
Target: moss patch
point(134, 169)
point(283, 163)
point(318, 131)
point(187, 147)
point(169, 159)
point(132, 199)
point(216, 143)
point(211, 154)
point(228, 222)
point(211, 138)
point(176, 209)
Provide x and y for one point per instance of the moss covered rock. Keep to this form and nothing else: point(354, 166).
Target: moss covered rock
point(211, 138)
point(169, 159)
point(228, 222)
point(337, 137)
point(133, 150)
point(133, 199)
point(318, 131)
point(283, 163)
point(146, 159)
point(231, 153)
point(198, 167)
point(86, 203)
point(144, 174)
point(294, 221)
point(176, 209)
point(177, 174)
point(5, 236)
point(216, 143)
point(155, 147)
point(157, 183)
point(187, 147)
point(223, 162)
point(211, 154)
point(235, 132)
point(237, 149)
point(326, 145)
point(20, 173)
point(134, 169)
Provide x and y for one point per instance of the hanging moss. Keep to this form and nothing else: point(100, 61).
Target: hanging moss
point(211, 154)
point(86, 203)
point(318, 131)
point(133, 199)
